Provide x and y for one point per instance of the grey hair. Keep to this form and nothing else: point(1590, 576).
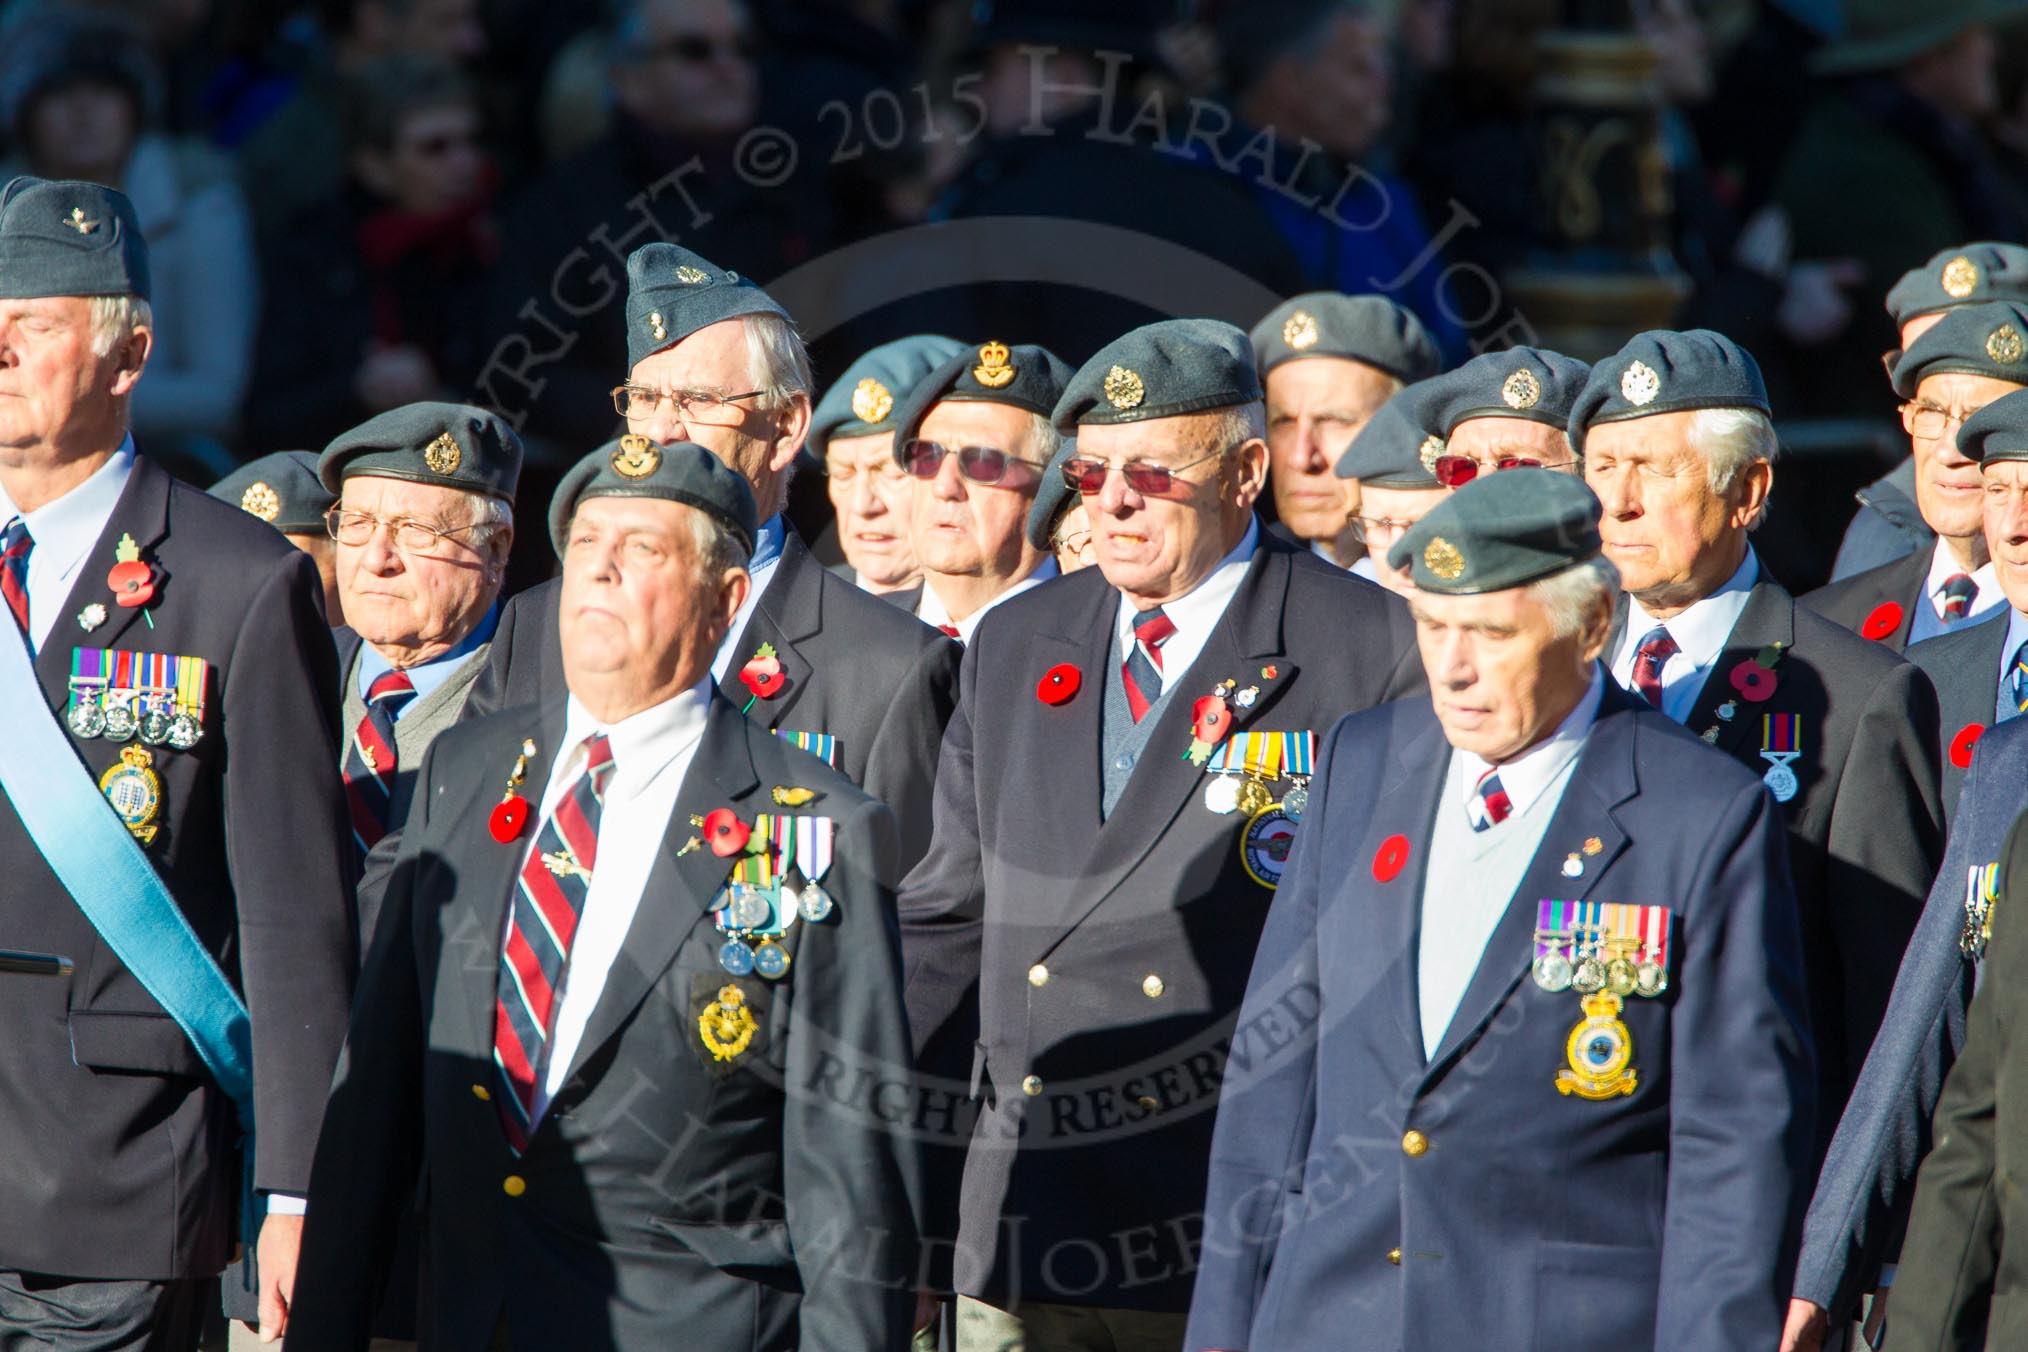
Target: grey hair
point(715, 546)
point(1241, 423)
point(777, 361)
point(489, 511)
point(1569, 596)
point(114, 319)
point(1730, 439)
point(1044, 441)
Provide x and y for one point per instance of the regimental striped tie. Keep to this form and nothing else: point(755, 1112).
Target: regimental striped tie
point(1959, 591)
point(1490, 803)
point(14, 546)
point(2017, 681)
point(1649, 659)
point(370, 759)
point(549, 899)
point(1142, 671)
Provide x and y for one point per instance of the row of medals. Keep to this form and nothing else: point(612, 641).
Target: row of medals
point(1600, 965)
point(1249, 794)
point(157, 724)
point(751, 909)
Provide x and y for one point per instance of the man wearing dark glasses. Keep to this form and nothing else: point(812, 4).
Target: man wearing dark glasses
point(977, 438)
point(1502, 410)
point(1118, 793)
point(1328, 361)
point(1678, 444)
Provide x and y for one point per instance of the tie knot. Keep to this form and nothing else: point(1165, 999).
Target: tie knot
point(1958, 592)
point(1658, 646)
point(598, 750)
point(1493, 800)
point(1153, 628)
point(394, 686)
point(14, 539)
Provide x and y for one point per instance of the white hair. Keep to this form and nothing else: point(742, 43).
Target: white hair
point(777, 361)
point(1241, 423)
point(714, 546)
point(114, 319)
point(1569, 596)
point(1730, 439)
point(1043, 441)
point(489, 511)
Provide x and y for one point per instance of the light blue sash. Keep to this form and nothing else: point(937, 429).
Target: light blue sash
point(101, 865)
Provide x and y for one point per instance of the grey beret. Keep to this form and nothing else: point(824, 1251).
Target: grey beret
point(635, 467)
point(69, 239)
point(454, 445)
point(864, 400)
point(1666, 371)
point(1970, 274)
point(1999, 431)
point(672, 293)
point(1521, 382)
point(1978, 340)
point(1053, 499)
point(1025, 377)
point(1162, 370)
point(1396, 448)
point(1500, 531)
point(1370, 329)
point(281, 489)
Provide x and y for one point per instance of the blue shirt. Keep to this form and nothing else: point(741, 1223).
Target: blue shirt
point(426, 676)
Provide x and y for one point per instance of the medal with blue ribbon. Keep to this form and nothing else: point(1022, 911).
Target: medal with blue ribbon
point(1780, 743)
point(1982, 889)
point(1607, 952)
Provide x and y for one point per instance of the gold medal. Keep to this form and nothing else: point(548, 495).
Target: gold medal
point(1600, 1050)
point(1621, 977)
point(1254, 797)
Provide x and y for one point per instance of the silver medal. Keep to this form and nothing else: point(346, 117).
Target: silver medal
point(86, 718)
point(120, 722)
point(1295, 800)
point(1221, 795)
point(1552, 971)
point(1780, 781)
point(815, 903)
point(184, 732)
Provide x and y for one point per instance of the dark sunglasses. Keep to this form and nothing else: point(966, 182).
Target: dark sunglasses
point(980, 464)
point(1089, 476)
point(1455, 471)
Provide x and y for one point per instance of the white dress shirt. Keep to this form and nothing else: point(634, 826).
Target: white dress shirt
point(1701, 633)
point(64, 532)
point(767, 556)
point(930, 609)
point(652, 751)
point(1196, 614)
point(1928, 620)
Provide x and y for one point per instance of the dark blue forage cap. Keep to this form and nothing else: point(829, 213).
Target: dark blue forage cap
point(635, 467)
point(1520, 382)
point(1977, 340)
point(1666, 371)
point(1162, 370)
point(672, 293)
point(281, 489)
point(1052, 499)
point(69, 239)
point(1999, 431)
point(1966, 274)
point(453, 445)
point(1500, 531)
point(1369, 329)
point(1396, 448)
point(865, 399)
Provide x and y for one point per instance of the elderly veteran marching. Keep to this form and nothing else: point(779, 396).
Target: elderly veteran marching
point(852, 438)
point(633, 945)
point(1390, 458)
point(1678, 444)
point(283, 490)
point(1327, 362)
point(1534, 951)
point(175, 825)
point(717, 362)
point(1502, 410)
point(1965, 361)
point(1119, 790)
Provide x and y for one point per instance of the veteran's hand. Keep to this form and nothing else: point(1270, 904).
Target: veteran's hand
point(1807, 1328)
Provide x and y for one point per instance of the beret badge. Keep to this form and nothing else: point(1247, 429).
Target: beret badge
point(871, 401)
point(1442, 558)
point(1960, 277)
point(2003, 345)
point(637, 457)
point(1124, 389)
point(1300, 331)
point(1522, 390)
point(1639, 384)
point(443, 455)
point(76, 221)
point(262, 501)
point(1432, 447)
point(690, 276)
point(993, 370)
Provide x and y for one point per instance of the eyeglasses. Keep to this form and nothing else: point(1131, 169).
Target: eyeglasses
point(1930, 422)
point(980, 464)
point(410, 536)
point(1366, 529)
point(1074, 543)
point(1089, 476)
point(692, 406)
point(1455, 471)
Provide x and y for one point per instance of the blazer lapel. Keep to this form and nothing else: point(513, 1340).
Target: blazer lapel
point(684, 880)
point(1905, 588)
point(142, 512)
point(1602, 779)
point(1769, 618)
point(1409, 799)
point(791, 607)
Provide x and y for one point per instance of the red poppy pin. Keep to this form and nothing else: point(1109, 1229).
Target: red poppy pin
point(1059, 684)
point(1754, 678)
point(1390, 858)
point(510, 814)
point(1962, 744)
point(1885, 619)
point(762, 675)
point(132, 578)
point(1210, 720)
point(725, 832)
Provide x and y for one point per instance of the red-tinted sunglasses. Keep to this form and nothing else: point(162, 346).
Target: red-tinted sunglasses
point(1455, 471)
point(1089, 476)
point(980, 464)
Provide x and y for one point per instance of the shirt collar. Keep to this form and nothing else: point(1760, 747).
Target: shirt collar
point(1702, 630)
point(65, 530)
point(1525, 777)
point(643, 744)
point(1198, 610)
point(1943, 566)
point(930, 608)
point(427, 676)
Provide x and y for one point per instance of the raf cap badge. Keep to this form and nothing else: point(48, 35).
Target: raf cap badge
point(1300, 331)
point(1442, 558)
point(655, 326)
point(1522, 390)
point(993, 370)
point(690, 276)
point(443, 455)
point(76, 221)
point(1124, 389)
point(1432, 447)
point(262, 501)
point(637, 457)
point(1639, 384)
point(2003, 345)
point(1960, 277)
point(871, 401)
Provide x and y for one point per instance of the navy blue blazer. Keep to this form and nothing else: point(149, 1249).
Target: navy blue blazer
point(1863, 1193)
point(1356, 1186)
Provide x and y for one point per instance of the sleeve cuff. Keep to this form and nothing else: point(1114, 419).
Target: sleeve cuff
point(287, 1204)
